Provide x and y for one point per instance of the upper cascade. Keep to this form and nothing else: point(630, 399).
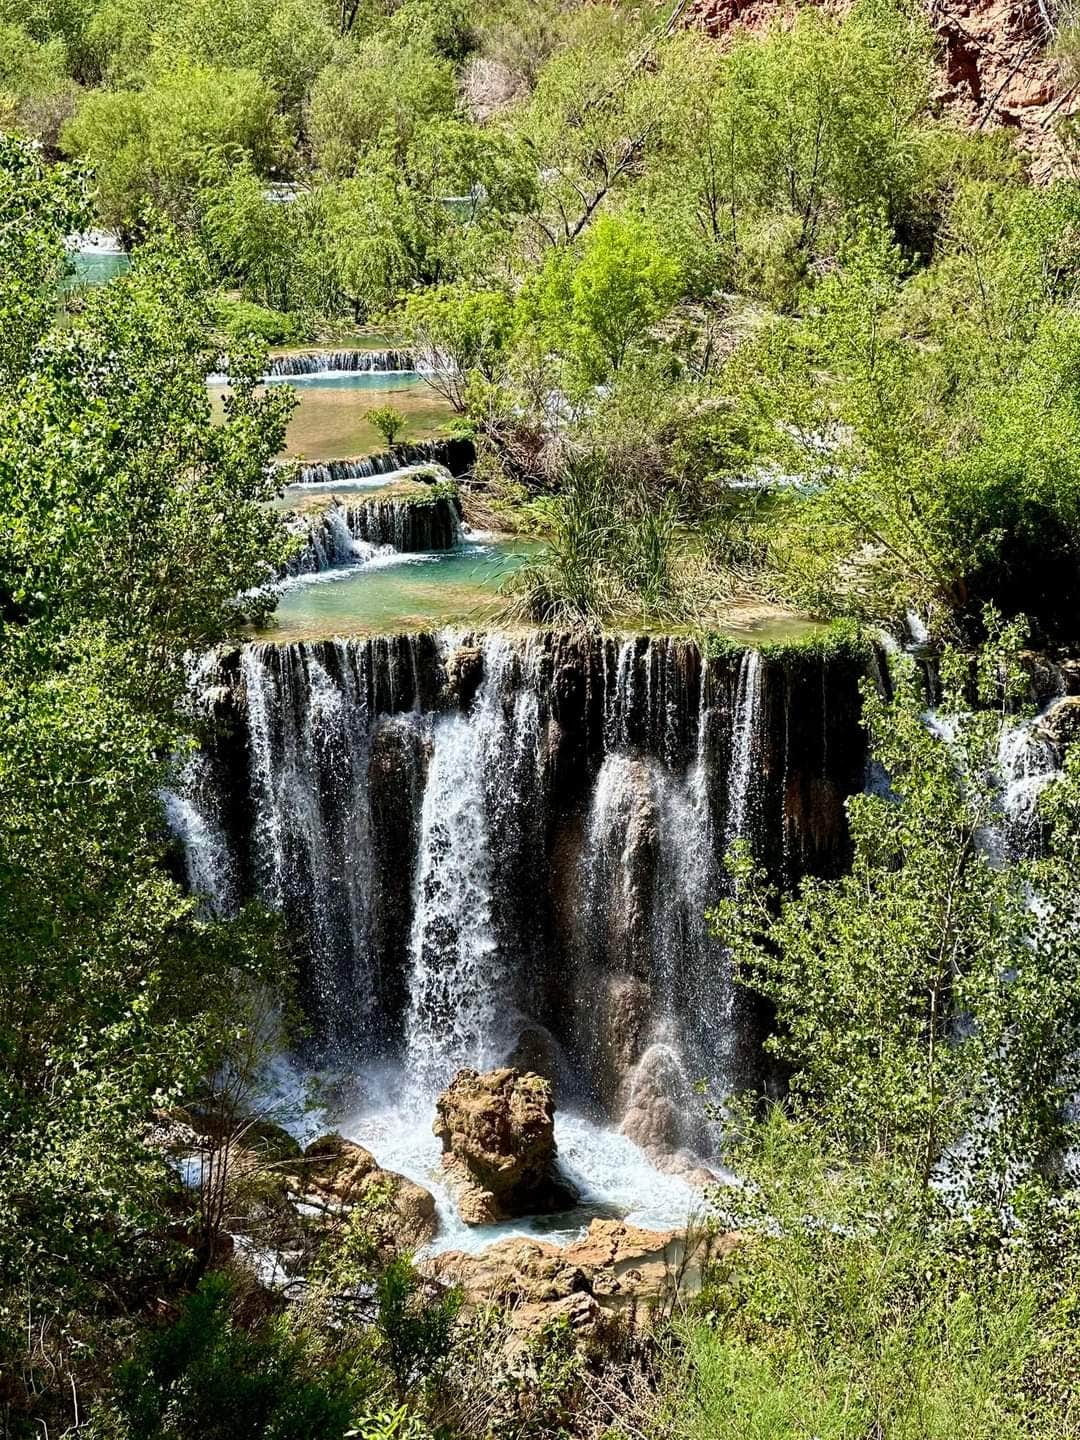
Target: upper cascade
point(451, 454)
point(339, 362)
point(501, 849)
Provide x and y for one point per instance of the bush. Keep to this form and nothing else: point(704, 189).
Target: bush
point(242, 319)
point(387, 420)
point(204, 1375)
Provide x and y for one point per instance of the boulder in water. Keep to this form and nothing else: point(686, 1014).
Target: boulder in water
point(340, 1174)
point(498, 1139)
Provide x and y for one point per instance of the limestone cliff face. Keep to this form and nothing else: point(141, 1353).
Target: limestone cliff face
point(997, 68)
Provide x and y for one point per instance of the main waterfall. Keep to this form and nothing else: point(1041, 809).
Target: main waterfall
point(503, 847)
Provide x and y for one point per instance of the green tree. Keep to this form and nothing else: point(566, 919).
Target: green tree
point(129, 524)
point(374, 101)
point(929, 1012)
point(153, 146)
point(457, 332)
point(387, 420)
point(771, 151)
point(933, 421)
point(594, 305)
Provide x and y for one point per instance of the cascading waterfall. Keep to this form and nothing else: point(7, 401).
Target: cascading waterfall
point(407, 525)
point(343, 535)
point(449, 455)
point(329, 543)
point(496, 846)
point(189, 814)
point(343, 362)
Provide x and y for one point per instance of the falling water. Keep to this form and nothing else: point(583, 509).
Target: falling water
point(743, 757)
point(343, 362)
point(482, 841)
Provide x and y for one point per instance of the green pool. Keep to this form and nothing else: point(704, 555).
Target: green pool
point(402, 592)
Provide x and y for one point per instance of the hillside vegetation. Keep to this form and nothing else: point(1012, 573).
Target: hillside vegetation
point(758, 319)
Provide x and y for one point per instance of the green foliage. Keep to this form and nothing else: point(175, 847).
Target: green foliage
point(205, 1375)
point(932, 420)
point(40, 205)
point(595, 304)
point(374, 101)
point(929, 1012)
point(845, 1317)
point(608, 551)
point(387, 420)
point(460, 332)
point(36, 95)
point(156, 144)
point(416, 1330)
point(772, 150)
point(129, 523)
point(243, 320)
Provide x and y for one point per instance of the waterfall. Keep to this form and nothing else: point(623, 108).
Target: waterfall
point(329, 542)
point(481, 843)
point(407, 524)
point(450, 455)
point(343, 362)
point(190, 817)
point(356, 534)
point(741, 779)
point(458, 1011)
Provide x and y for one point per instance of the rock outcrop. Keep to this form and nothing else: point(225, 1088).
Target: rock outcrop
point(337, 1174)
point(498, 1139)
point(615, 1270)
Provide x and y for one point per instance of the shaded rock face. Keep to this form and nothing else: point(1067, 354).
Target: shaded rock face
point(492, 846)
point(337, 1173)
point(498, 1140)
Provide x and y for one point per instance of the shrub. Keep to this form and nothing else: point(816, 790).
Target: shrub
point(242, 319)
point(387, 420)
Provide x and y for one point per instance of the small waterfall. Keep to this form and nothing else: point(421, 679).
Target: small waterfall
point(407, 525)
point(330, 542)
point(743, 757)
point(1027, 761)
point(190, 817)
point(356, 534)
point(343, 362)
point(451, 455)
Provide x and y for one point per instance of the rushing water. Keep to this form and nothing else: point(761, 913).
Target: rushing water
point(481, 844)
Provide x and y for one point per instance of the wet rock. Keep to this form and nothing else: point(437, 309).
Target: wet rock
point(498, 1139)
point(1061, 722)
point(621, 1022)
point(661, 1112)
point(338, 1174)
point(464, 672)
point(621, 1268)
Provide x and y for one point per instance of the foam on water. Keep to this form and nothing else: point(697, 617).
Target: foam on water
point(612, 1175)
